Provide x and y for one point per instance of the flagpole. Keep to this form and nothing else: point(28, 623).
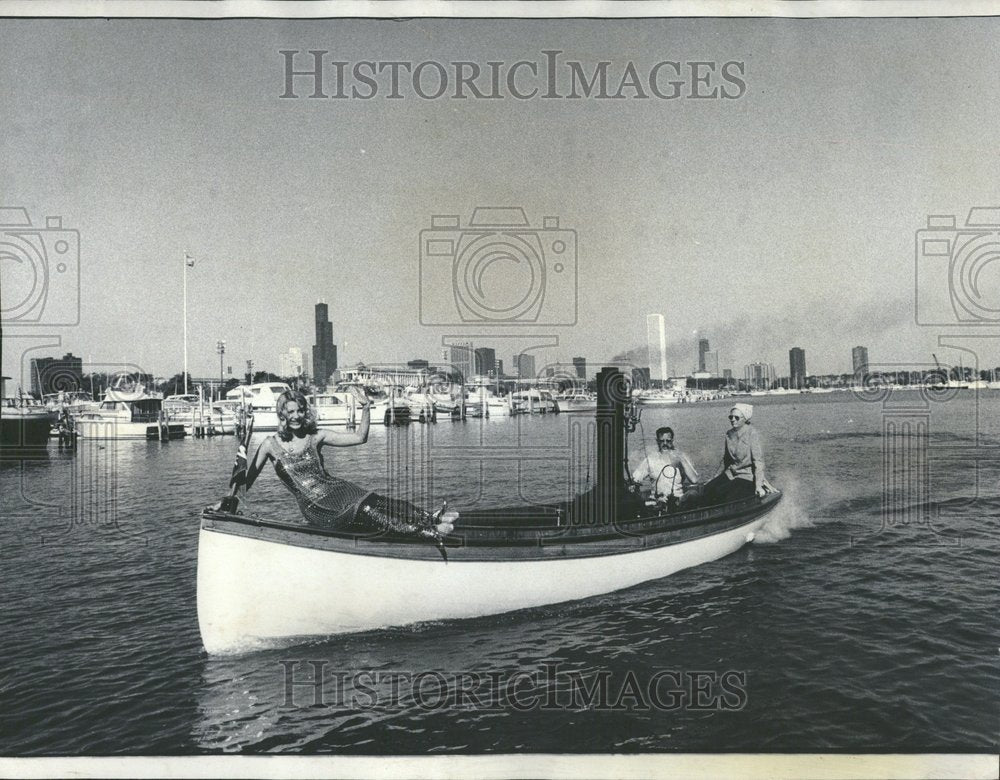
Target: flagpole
point(185, 323)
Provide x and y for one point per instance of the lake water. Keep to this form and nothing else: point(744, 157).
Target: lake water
point(862, 619)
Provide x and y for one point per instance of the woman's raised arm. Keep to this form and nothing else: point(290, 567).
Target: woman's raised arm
point(348, 438)
point(260, 459)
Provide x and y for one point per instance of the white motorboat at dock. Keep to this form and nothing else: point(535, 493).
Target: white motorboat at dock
point(128, 413)
point(261, 398)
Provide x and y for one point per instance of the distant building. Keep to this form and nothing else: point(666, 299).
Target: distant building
point(727, 373)
point(656, 344)
point(486, 361)
point(324, 351)
point(759, 376)
point(702, 352)
point(462, 358)
point(580, 364)
point(797, 368)
point(524, 364)
point(859, 360)
point(417, 363)
point(291, 363)
point(50, 375)
point(711, 363)
point(499, 368)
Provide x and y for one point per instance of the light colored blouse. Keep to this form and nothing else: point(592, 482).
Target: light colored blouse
point(744, 456)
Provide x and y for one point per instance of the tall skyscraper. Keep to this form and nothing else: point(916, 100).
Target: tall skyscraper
point(524, 364)
point(499, 368)
point(656, 344)
point(580, 364)
point(797, 368)
point(462, 357)
point(859, 359)
point(702, 352)
point(324, 350)
point(486, 361)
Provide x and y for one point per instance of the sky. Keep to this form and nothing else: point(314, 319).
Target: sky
point(784, 216)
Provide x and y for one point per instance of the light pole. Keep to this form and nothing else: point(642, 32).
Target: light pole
point(220, 347)
point(188, 263)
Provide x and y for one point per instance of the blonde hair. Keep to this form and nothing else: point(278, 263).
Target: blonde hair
point(310, 417)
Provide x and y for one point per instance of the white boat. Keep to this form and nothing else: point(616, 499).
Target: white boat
point(262, 399)
point(333, 410)
point(128, 414)
point(482, 401)
point(534, 400)
point(421, 404)
point(73, 402)
point(266, 581)
point(659, 397)
point(388, 404)
point(200, 417)
point(578, 402)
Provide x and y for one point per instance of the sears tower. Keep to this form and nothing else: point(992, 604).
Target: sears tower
point(324, 350)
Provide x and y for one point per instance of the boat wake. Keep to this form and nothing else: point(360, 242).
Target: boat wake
point(789, 515)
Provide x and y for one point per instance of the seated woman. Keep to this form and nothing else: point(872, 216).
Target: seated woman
point(742, 474)
point(326, 500)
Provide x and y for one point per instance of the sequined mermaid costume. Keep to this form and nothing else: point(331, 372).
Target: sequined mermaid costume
point(339, 505)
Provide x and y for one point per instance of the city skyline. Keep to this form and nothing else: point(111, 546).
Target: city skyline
point(799, 232)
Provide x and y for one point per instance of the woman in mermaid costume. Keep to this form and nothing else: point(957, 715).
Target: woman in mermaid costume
point(330, 502)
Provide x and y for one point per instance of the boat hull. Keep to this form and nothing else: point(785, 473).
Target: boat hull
point(258, 586)
point(120, 429)
point(24, 431)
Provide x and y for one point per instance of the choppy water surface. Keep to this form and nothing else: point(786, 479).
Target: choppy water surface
point(862, 619)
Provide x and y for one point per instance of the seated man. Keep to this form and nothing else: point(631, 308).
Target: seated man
point(669, 469)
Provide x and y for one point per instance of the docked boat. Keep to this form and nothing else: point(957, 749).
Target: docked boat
point(482, 401)
point(577, 402)
point(388, 404)
point(73, 402)
point(534, 400)
point(659, 397)
point(265, 581)
point(24, 422)
point(128, 414)
point(333, 410)
point(262, 400)
point(200, 418)
point(420, 403)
